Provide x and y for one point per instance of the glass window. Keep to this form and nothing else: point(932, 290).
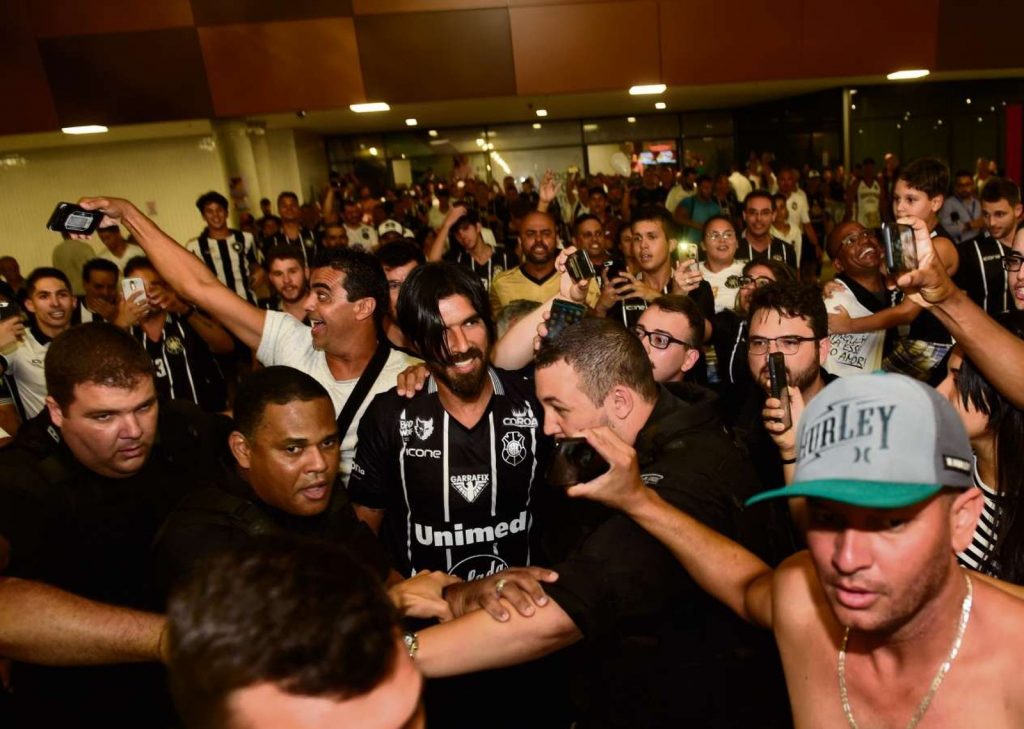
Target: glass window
point(619, 128)
point(531, 136)
point(708, 154)
point(706, 124)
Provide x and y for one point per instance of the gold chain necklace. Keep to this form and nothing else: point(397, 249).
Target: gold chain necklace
point(965, 615)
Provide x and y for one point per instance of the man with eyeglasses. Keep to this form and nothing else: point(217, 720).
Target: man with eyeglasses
point(671, 329)
point(858, 290)
point(1012, 265)
point(757, 242)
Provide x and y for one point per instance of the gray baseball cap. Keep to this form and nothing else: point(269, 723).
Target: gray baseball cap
point(881, 441)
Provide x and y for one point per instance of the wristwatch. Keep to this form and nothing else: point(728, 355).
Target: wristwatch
point(412, 644)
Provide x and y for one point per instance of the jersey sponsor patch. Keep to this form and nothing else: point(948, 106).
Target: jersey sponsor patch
point(479, 566)
point(513, 448)
point(423, 452)
point(404, 429)
point(521, 419)
point(470, 485)
point(423, 428)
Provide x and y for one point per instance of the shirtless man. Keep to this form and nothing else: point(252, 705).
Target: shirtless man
point(876, 624)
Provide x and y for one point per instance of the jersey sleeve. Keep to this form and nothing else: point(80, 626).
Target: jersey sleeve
point(377, 447)
point(282, 334)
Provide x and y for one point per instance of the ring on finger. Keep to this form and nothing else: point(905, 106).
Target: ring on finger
point(499, 585)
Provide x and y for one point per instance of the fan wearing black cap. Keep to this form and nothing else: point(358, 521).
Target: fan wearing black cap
point(876, 623)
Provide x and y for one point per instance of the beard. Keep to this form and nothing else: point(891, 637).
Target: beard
point(465, 385)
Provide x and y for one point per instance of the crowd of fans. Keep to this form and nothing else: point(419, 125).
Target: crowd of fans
point(320, 445)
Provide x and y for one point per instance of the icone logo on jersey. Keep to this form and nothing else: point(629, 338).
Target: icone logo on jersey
point(521, 419)
point(470, 485)
point(423, 452)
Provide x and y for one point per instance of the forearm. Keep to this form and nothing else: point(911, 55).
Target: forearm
point(435, 248)
point(477, 642)
point(515, 350)
point(992, 348)
point(723, 568)
point(215, 336)
point(42, 624)
point(894, 316)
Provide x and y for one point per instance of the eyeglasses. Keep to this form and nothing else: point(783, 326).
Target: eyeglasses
point(741, 282)
point(787, 344)
point(861, 237)
point(1012, 261)
point(714, 236)
point(658, 340)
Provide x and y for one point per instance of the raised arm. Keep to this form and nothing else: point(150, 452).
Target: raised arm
point(41, 624)
point(183, 271)
point(435, 249)
point(723, 568)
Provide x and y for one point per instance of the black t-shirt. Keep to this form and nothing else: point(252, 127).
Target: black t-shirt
point(185, 367)
point(502, 259)
point(657, 650)
point(981, 273)
point(778, 250)
point(457, 499)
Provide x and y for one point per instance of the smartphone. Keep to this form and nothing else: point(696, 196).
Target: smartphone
point(900, 248)
point(580, 266)
point(778, 384)
point(70, 218)
point(130, 285)
point(563, 314)
point(575, 461)
point(613, 269)
point(686, 251)
point(9, 309)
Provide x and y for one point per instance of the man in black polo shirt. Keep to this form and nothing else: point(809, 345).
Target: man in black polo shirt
point(757, 242)
point(82, 492)
point(656, 651)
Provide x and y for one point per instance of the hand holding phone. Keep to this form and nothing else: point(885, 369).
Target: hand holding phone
point(72, 219)
point(900, 248)
point(778, 385)
point(580, 266)
point(575, 461)
point(563, 314)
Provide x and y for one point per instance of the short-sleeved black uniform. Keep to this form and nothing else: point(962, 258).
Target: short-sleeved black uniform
point(981, 274)
point(657, 650)
point(457, 499)
point(90, 534)
point(778, 250)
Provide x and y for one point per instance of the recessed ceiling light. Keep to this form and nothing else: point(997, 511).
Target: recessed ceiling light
point(590, 127)
point(86, 129)
point(410, 122)
point(659, 105)
point(373, 151)
point(644, 89)
point(432, 132)
point(542, 112)
point(908, 74)
point(372, 106)
point(968, 101)
point(631, 119)
point(536, 125)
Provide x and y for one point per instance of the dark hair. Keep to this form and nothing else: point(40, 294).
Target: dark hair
point(364, 277)
point(471, 217)
point(135, 263)
point(868, 161)
point(779, 197)
point(1000, 188)
point(596, 190)
point(399, 253)
point(683, 304)
point(99, 264)
point(656, 214)
point(418, 314)
point(302, 615)
point(715, 219)
point(284, 252)
point(211, 197)
point(95, 352)
point(603, 354)
point(288, 193)
point(756, 194)
point(704, 178)
point(580, 220)
point(781, 270)
point(792, 299)
point(962, 173)
point(928, 174)
point(45, 272)
point(277, 385)
point(1006, 423)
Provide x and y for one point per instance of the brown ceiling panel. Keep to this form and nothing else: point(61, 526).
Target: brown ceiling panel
point(965, 34)
point(29, 107)
point(228, 12)
point(430, 56)
point(585, 47)
point(127, 78)
point(380, 7)
point(274, 67)
point(881, 36)
point(67, 17)
point(691, 54)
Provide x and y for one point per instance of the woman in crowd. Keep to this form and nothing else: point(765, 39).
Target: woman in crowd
point(996, 430)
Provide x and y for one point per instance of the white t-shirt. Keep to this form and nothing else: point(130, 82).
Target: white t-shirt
point(287, 341)
point(362, 236)
point(799, 215)
point(793, 237)
point(130, 251)
point(740, 184)
point(868, 201)
point(25, 361)
point(852, 354)
point(725, 298)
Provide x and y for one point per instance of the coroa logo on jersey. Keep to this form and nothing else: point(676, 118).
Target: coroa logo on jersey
point(513, 448)
point(423, 428)
point(470, 485)
point(521, 419)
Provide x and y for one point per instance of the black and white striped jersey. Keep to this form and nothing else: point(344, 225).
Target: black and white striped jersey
point(456, 499)
point(978, 555)
point(231, 259)
point(308, 244)
point(185, 367)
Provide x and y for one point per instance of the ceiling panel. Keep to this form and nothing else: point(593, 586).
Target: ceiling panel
point(67, 17)
point(965, 37)
point(379, 7)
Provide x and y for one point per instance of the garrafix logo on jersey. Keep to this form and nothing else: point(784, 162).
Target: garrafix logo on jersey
point(521, 419)
point(470, 485)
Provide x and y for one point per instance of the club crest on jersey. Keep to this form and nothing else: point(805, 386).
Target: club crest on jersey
point(404, 429)
point(174, 345)
point(470, 485)
point(513, 448)
point(423, 428)
point(521, 419)
point(237, 246)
